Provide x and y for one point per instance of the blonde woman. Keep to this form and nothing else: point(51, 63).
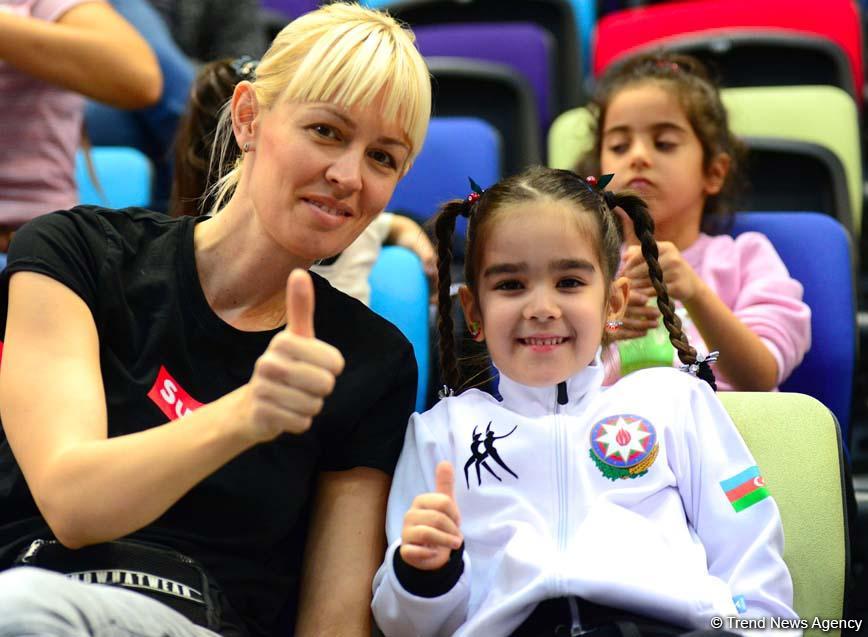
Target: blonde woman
point(188, 413)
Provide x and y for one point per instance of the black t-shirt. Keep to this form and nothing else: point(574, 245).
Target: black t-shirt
point(164, 351)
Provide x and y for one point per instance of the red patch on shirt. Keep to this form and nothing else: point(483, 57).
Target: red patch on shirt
point(170, 397)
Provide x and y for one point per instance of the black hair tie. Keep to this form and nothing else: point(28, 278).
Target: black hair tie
point(609, 198)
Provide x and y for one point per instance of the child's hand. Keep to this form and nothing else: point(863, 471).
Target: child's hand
point(432, 525)
point(680, 279)
point(639, 317)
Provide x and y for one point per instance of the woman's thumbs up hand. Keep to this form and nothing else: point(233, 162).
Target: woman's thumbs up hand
point(292, 378)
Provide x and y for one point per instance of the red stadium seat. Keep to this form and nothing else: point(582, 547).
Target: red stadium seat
point(823, 36)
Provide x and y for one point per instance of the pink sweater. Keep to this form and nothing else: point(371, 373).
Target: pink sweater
point(749, 276)
point(40, 128)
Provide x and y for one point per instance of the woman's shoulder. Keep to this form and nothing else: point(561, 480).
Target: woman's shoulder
point(87, 215)
point(93, 226)
point(350, 325)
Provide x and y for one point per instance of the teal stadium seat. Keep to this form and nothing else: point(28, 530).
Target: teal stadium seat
point(124, 176)
point(399, 293)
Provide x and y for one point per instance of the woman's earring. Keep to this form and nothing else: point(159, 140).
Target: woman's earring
point(474, 328)
point(612, 326)
point(246, 148)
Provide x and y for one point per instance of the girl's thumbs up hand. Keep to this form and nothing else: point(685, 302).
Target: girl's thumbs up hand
point(292, 378)
point(432, 525)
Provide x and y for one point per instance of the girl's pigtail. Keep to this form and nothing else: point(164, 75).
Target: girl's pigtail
point(444, 228)
point(643, 226)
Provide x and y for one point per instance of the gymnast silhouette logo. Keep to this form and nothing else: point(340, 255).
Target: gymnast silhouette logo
point(481, 449)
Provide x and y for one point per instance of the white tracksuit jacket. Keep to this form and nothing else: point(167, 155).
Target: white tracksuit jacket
point(666, 543)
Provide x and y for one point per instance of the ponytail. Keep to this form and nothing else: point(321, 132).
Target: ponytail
point(643, 226)
point(444, 228)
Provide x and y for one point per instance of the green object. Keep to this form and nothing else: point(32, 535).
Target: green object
point(652, 350)
point(750, 499)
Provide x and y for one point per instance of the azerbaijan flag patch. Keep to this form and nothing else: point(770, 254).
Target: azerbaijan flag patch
point(745, 489)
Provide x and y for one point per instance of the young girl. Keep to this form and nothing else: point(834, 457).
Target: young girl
point(662, 129)
point(572, 505)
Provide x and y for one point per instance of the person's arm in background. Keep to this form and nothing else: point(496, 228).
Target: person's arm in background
point(408, 234)
point(90, 49)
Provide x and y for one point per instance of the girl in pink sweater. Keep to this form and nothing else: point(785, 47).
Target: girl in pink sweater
point(662, 130)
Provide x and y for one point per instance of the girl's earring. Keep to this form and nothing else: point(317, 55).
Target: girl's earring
point(246, 148)
point(474, 329)
point(613, 326)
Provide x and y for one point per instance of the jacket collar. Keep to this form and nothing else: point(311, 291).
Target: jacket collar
point(566, 397)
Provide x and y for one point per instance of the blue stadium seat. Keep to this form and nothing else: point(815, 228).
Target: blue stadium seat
point(456, 148)
point(124, 175)
point(399, 293)
point(586, 19)
point(817, 252)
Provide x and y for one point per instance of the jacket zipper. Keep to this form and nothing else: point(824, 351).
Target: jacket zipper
point(32, 550)
point(563, 506)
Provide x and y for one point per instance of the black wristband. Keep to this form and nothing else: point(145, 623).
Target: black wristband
point(430, 583)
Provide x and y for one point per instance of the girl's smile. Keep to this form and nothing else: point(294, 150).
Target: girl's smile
point(542, 296)
point(543, 343)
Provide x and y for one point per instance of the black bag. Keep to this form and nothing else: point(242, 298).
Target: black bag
point(161, 573)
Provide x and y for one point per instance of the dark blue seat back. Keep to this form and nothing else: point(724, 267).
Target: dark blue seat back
point(817, 252)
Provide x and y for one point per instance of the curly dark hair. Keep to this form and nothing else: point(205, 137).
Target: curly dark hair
point(699, 96)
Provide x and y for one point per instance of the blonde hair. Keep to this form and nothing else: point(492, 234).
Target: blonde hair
point(343, 54)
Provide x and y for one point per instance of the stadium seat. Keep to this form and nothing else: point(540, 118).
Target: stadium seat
point(494, 93)
point(526, 47)
point(797, 445)
point(585, 12)
point(456, 148)
point(399, 293)
point(123, 175)
point(291, 9)
point(816, 250)
point(556, 16)
point(822, 115)
point(769, 43)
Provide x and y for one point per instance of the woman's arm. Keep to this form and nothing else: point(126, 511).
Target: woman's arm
point(345, 545)
point(90, 50)
point(91, 488)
